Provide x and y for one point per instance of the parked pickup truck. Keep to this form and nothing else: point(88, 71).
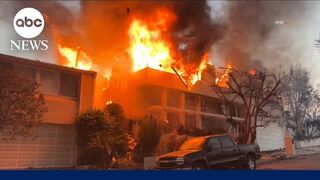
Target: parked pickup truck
point(217, 151)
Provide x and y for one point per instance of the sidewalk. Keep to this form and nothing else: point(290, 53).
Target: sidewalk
point(268, 157)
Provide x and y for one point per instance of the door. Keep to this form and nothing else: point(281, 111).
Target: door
point(230, 149)
point(214, 151)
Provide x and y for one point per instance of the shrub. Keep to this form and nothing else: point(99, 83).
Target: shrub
point(92, 138)
point(117, 129)
point(22, 106)
point(148, 138)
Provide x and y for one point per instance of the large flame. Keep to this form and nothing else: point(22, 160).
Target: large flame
point(75, 58)
point(149, 48)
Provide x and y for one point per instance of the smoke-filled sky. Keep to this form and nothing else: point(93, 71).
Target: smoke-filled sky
point(244, 34)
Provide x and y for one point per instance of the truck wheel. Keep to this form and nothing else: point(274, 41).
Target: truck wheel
point(198, 166)
point(250, 163)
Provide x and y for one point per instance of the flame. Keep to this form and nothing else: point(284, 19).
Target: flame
point(107, 73)
point(75, 58)
point(150, 48)
point(252, 72)
point(108, 102)
point(223, 78)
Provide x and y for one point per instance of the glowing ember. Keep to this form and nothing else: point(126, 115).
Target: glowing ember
point(223, 78)
point(75, 58)
point(108, 102)
point(252, 71)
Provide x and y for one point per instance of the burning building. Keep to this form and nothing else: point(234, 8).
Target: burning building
point(167, 98)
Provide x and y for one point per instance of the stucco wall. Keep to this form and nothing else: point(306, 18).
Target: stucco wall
point(270, 137)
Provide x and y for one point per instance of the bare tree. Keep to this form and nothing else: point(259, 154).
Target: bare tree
point(21, 105)
point(255, 90)
point(302, 103)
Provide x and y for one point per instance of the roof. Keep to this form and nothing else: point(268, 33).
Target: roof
point(171, 81)
point(35, 63)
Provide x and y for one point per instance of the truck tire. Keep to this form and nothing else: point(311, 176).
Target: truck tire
point(250, 163)
point(198, 166)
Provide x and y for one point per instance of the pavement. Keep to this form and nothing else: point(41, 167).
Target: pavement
point(304, 159)
point(302, 162)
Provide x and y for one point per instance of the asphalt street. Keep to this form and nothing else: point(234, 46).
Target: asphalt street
point(308, 162)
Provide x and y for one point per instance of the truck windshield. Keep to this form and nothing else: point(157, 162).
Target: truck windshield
point(192, 144)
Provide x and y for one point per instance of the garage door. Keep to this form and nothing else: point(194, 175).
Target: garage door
point(54, 146)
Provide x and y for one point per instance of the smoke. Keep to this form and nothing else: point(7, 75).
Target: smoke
point(254, 38)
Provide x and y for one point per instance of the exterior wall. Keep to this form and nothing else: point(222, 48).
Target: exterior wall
point(270, 137)
point(86, 93)
point(308, 143)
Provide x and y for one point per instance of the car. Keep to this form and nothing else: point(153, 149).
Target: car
point(208, 152)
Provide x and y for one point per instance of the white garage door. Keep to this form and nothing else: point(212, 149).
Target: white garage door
point(53, 147)
point(270, 137)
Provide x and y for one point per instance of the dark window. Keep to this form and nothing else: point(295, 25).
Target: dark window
point(212, 124)
point(190, 101)
point(49, 81)
point(226, 141)
point(190, 121)
point(214, 143)
point(211, 105)
point(69, 85)
point(150, 96)
point(173, 120)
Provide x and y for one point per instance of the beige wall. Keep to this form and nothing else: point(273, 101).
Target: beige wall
point(86, 93)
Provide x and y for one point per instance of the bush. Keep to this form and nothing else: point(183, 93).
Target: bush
point(148, 138)
point(22, 106)
point(117, 124)
point(92, 133)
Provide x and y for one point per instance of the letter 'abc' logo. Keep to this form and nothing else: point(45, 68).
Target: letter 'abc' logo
point(28, 23)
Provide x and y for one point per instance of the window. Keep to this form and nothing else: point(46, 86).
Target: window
point(226, 141)
point(211, 105)
point(190, 121)
point(49, 81)
point(173, 120)
point(213, 125)
point(214, 143)
point(150, 96)
point(69, 85)
point(190, 101)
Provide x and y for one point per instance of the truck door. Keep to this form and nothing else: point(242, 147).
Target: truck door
point(213, 151)
point(230, 149)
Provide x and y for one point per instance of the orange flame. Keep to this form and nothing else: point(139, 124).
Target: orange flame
point(149, 48)
point(252, 72)
point(75, 58)
point(223, 78)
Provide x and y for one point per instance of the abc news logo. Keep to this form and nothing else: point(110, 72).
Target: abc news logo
point(28, 23)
